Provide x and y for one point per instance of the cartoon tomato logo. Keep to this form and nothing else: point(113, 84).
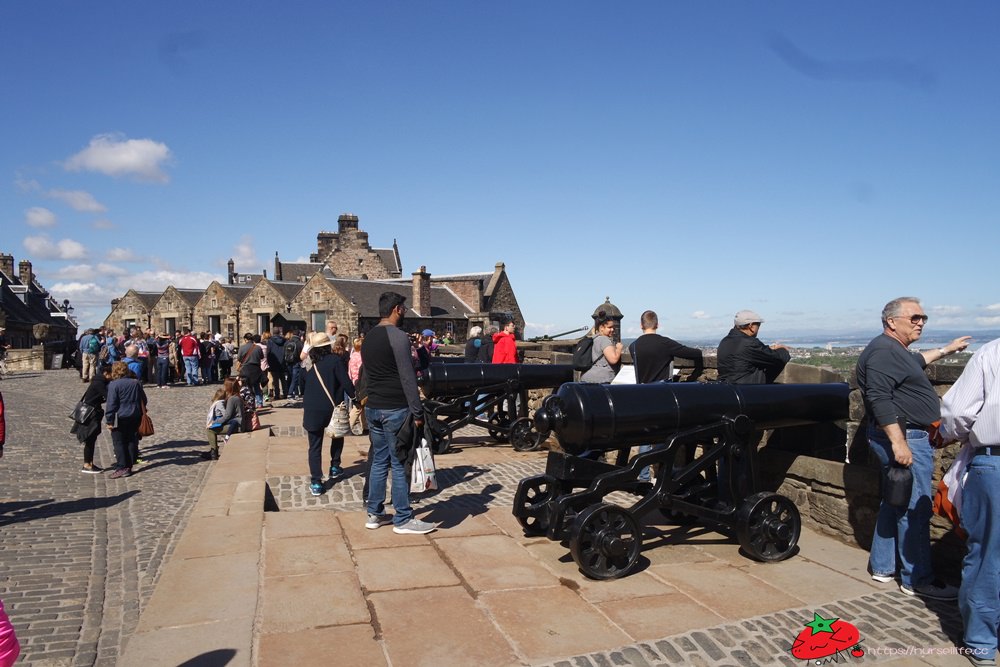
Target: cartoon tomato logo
point(825, 637)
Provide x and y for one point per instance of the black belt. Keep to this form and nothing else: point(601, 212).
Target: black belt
point(986, 451)
point(910, 425)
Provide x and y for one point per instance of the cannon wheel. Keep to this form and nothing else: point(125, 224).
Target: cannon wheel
point(532, 493)
point(605, 541)
point(768, 526)
point(498, 424)
point(523, 437)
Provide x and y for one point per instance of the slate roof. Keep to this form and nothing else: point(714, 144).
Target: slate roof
point(299, 272)
point(236, 292)
point(389, 258)
point(286, 288)
point(191, 296)
point(364, 294)
point(148, 299)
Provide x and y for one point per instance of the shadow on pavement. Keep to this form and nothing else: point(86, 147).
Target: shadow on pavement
point(451, 511)
point(43, 509)
point(216, 658)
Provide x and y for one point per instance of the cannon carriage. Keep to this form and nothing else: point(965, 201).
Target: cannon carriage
point(704, 439)
point(491, 396)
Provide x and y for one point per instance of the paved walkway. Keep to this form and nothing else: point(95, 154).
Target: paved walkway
point(80, 554)
point(323, 589)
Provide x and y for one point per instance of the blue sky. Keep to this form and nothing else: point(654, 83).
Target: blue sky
point(809, 161)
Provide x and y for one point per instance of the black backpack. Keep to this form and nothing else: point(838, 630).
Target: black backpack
point(583, 357)
point(291, 352)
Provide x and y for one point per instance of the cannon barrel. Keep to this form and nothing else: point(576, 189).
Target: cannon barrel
point(605, 417)
point(458, 379)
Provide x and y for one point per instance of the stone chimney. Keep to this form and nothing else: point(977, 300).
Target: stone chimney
point(7, 264)
point(347, 221)
point(277, 266)
point(24, 272)
point(422, 292)
point(232, 271)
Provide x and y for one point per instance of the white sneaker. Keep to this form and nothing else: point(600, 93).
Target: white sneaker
point(934, 590)
point(377, 520)
point(414, 527)
point(883, 578)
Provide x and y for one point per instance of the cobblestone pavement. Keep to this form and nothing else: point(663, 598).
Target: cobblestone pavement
point(893, 628)
point(80, 554)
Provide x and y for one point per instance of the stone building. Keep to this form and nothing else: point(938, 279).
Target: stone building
point(341, 282)
point(28, 312)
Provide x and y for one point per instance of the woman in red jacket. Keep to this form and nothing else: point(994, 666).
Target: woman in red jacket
point(504, 347)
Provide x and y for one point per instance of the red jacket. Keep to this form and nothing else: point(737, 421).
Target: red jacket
point(189, 346)
point(504, 348)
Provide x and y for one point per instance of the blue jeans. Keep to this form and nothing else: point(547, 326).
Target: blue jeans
point(162, 371)
point(979, 596)
point(383, 427)
point(191, 369)
point(644, 473)
point(294, 388)
point(902, 535)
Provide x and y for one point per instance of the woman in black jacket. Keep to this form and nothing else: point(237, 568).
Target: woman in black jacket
point(87, 432)
point(326, 384)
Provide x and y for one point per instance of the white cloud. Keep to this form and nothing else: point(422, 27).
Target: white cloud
point(946, 310)
point(72, 289)
point(110, 270)
point(988, 321)
point(121, 255)
point(79, 200)
point(700, 315)
point(155, 281)
point(27, 184)
point(114, 155)
point(103, 223)
point(38, 216)
point(76, 272)
point(992, 307)
point(245, 256)
point(42, 247)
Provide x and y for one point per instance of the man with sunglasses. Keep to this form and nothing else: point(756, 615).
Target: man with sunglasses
point(902, 405)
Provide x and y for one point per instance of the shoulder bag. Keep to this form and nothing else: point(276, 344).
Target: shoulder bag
point(145, 423)
point(340, 423)
point(82, 413)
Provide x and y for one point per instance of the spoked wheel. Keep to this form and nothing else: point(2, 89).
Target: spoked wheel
point(498, 426)
point(529, 503)
point(605, 541)
point(768, 526)
point(523, 436)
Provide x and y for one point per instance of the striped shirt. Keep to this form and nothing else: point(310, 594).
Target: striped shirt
point(970, 411)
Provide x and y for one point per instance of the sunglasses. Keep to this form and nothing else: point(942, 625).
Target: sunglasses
point(915, 319)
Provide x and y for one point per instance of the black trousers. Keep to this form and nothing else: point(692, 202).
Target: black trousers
point(125, 438)
point(316, 454)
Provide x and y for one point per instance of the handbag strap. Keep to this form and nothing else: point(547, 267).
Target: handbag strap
point(323, 384)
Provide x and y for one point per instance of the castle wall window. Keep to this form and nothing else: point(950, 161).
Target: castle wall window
point(215, 303)
point(262, 300)
point(318, 320)
point(263, 322)
point(170, 325)
point(215, 324)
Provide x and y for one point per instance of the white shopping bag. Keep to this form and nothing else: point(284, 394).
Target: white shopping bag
point(423, 477)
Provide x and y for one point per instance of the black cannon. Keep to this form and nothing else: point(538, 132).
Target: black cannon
point(704, 439)
point(493, 396)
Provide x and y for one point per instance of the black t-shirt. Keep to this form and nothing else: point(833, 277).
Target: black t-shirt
point(894, 384)
point(391, 379)
point(652, 354)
